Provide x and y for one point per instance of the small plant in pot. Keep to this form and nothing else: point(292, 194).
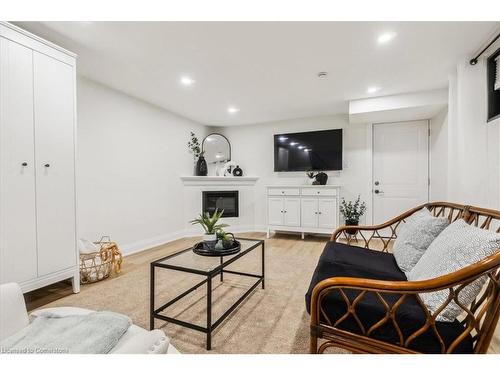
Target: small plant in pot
point(210, 226)
point(224, 240)
point(352, 212)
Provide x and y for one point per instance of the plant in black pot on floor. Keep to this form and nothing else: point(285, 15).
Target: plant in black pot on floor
point(201, 168)
point(210, 226)
point(352, 212)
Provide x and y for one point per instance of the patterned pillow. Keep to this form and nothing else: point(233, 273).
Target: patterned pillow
point(415, 236)
point(458, 246)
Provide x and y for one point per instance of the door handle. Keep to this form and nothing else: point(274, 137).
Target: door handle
point(377, 191)
point(24, 164)
point(47, 165)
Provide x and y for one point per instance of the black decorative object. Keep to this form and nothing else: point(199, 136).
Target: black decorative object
point(320, 179)
point(237, 172)
point(201, 166)
point(232, 247)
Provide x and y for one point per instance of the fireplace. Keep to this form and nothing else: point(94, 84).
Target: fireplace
point(223, 200)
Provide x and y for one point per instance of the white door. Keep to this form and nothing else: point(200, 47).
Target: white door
point(275, 211)
point(292, 212)
point(400, 168)
point(55, 163)
point(18, 261)
point(327, 213)
point(309, 212)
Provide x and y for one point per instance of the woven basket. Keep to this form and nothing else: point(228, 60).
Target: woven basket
point(96, 266)
point(99, 265)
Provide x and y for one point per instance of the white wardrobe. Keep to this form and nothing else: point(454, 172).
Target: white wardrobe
point(37, 161)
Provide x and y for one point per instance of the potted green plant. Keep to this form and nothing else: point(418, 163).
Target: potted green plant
point(352, 212)
point(210, 226)
point(224, 240)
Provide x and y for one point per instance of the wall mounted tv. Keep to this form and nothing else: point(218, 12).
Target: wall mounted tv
point(308, 151)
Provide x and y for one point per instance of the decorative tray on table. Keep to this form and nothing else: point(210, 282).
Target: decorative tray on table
point(231, 247)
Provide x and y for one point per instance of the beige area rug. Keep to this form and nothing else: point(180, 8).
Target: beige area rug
point(273, 320)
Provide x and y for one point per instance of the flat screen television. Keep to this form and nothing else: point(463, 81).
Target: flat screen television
point(308, 151)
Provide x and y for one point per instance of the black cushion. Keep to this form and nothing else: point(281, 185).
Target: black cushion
point(350, 261)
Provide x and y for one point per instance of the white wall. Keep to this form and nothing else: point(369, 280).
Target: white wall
point(412, 106)
point(439, 156)
point(252, 147)
point(473, 144)
point(130, 157)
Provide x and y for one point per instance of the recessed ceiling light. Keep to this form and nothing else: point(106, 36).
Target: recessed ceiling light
point(293, 143)
point(307, 149)
point(386, 37)
point(187, 81)
point(282, 139)
point(372, 89)
point(233, 110)
point(300, 147)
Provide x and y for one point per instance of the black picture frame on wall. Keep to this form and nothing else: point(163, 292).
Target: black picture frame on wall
point(493, 95)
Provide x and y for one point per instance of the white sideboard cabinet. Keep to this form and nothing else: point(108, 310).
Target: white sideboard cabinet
point(303, 208)
point(37, 161)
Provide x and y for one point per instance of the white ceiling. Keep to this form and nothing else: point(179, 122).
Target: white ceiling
point(266, 69)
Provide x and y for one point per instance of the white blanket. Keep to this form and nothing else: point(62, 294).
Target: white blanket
point(94, 333)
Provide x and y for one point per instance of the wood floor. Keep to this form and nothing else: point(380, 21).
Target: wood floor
point(269, 321)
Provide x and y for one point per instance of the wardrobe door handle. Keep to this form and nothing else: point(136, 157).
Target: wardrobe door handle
point(47, 165)
point(24, 164)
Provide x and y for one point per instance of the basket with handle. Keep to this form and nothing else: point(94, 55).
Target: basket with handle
point(98, 265)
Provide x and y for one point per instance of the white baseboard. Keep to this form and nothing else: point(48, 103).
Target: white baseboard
point(150, 243)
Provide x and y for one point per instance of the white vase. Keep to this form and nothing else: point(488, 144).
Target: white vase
point(209, 237)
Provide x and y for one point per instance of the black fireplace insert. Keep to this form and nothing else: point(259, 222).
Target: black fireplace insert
point(226, 200)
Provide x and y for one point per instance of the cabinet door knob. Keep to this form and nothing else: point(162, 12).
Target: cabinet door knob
point(47, 165)
point(24, 164)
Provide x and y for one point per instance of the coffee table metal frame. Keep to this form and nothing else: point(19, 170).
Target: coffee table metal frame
point(209, 275)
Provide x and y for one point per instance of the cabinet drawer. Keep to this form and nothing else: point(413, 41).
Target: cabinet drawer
point(319, 192)
point(283, 191)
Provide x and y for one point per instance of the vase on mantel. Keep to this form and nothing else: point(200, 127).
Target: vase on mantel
point(201, 167)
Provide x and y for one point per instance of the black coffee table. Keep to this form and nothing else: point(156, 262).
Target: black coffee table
point(188, 261)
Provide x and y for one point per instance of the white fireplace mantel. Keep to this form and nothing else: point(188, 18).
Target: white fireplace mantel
point(218, 180)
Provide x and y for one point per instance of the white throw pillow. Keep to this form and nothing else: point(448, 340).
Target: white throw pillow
point(458, 246)
point(415, 236)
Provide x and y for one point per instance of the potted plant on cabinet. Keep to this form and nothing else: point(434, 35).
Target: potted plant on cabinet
point(210, 226)
point(352, 212)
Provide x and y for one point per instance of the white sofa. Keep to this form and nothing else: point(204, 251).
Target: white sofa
point(14, 317)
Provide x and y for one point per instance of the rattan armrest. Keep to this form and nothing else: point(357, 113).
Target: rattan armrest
point(367, 233)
